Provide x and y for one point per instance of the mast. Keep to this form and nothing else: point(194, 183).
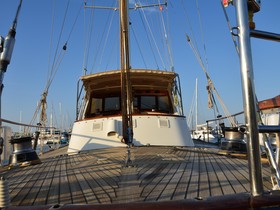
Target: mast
point(249, 99)
point(6, 50)
point(196, 104)
point(126, 96)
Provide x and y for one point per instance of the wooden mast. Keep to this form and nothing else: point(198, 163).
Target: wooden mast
point(126, 96)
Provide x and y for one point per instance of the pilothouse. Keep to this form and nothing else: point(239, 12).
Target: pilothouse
point(130, 106)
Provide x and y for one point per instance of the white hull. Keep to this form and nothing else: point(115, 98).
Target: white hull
point(148, 130)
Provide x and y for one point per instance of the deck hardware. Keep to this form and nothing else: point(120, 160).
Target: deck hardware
point(199, 198)
point(4, 195)
point(56, 206)
point(23, 152)
point(234, 31)
point(128, 161)
point(227, 2)
point(243, 129)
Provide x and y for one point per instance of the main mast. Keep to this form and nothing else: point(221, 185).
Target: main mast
point(126, 96)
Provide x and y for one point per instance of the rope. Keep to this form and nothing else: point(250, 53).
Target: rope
point(22, 124)
point(210, 83)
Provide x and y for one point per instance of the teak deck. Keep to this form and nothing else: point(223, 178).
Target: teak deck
point(157, 174)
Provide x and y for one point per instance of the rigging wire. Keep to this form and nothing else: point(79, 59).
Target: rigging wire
point(202, 33)
point(210, 87)
point(52, 70)
point(138, 45)
point(229, 26)
point(149, 41)
point(152, 36)
point(190, 26)
point(108, 30)
point(87, 38)
point(210, 83)
point(166, 38)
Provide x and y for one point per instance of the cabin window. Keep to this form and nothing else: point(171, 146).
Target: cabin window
point(148, 102)
point(104, 106)
point(154, 103)
point(163, 104)
point(111, 104)
point(96, 105)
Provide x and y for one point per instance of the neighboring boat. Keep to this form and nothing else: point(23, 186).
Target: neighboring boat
point(202, 132)
point(270, 115)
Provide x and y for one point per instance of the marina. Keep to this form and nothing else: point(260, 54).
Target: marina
point(130, 146)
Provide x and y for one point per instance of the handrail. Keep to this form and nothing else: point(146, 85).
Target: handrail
point(22, 124)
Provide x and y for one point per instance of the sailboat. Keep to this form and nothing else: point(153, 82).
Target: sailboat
point(173, 175)
point(202, 132)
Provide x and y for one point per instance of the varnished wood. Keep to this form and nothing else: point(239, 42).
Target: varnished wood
point(157, 174)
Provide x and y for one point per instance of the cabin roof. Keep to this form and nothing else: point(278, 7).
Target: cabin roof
point(140, 78)
point(270, 103)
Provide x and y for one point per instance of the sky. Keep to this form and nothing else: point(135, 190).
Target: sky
point(204, 21)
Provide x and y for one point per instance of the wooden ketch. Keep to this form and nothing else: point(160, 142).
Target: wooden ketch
point(161, 177)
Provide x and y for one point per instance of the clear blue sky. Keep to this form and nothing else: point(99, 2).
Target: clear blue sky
point(26, 77)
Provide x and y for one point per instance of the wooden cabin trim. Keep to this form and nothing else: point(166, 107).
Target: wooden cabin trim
point(143, 114)
point(270, 103)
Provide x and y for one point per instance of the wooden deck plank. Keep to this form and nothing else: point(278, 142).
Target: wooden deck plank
point(17, 175)
point(222, 177)
point(168, 187)
point(104, 193)
point(25, 194)
point(64, 186)
point(158, 174)
point(235, 182)
point(129, 190)
point(265, 169)
point(182, 186)
point(152, 191)
point(215, 187)
point(97, 195)
point(109, 184)
point(204, 185)
point(42, 195)
point(192, 189)
point(243, 183)
point(54, 193)
point(168, 191)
